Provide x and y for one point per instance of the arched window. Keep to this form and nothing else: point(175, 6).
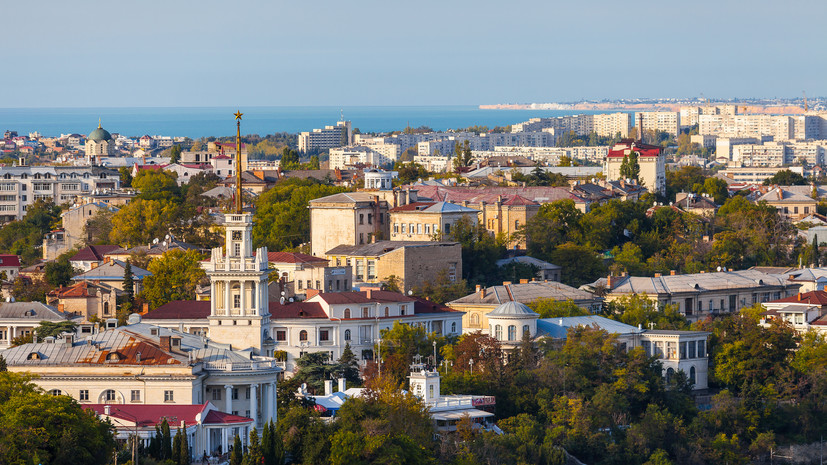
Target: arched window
point(692, 375)
point(33, 356)
point(475, 319)
point(106, 306)
point(347, 334)
point(526, 330)
point(55, 392)
point(347, 313)
point(512, 333)
point(454, 327)
point(236, 290)
point(113, 357)
point(669, 374)
point(387, 312)
point(498, 332)
point(109, 395)
point(302, 335)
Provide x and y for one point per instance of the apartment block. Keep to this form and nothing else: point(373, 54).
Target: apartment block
point(324, 139)
point(666, 121)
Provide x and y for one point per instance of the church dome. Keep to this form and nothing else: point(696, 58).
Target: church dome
point(99, 134)
point(513, 310)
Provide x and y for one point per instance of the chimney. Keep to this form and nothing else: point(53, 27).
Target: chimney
point(610, 282)
point(328, 387)
point(479, 288)
point(94, 265)
point(68, 339)
point(523, 281)
point(657, 275)
point(799, 297)
point(342, 384)
point(506, 283)
point(672, 272)
point(369, 293)
point(482, 292)
point(105, 260)
point(165, 345)
point(106, 410)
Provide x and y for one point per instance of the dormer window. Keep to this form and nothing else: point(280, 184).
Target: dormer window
point(33, 356)
point(30, 312)
point(113, 358)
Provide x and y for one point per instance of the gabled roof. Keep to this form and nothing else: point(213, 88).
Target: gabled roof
point(625, 146)
point(180, 310)
point(93, 253)
point(781, 194)
point(525, 293)
point(525, 259)
point(149, 415)
point(519, 200)
point(111, 270)
point(34, 311)
point(83, 289)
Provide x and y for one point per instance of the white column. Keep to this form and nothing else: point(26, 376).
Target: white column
point(224, 442)
point(253, 404)
point(228, 297)
point(242, 289)
point(257, 297)
point(272, 402)
point(213, 303)
point(228, 389)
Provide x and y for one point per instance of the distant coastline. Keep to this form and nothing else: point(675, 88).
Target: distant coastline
point(617, 106)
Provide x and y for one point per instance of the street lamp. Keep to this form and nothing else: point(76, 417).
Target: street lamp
point(471, 362)
point(435, 362)
point(446, 364)
point(134, 439)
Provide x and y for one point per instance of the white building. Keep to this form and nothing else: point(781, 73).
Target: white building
point(666, 121)
point(324, 139)
point(346, 157)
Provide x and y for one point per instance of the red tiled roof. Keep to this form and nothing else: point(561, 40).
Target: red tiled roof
point(622, 149)
point(93, 253)
point(221, 418)
point(426, 306)
point(333, 298)
point(296, 310)
point(181, 310)
point(9, 260)
point(149, 415)
point(519, 200)
point(80, 289)
point(809, 298)
point(292, 257)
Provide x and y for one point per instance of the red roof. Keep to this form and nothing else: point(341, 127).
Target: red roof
point(519, 200)
point(808, 298)
point(80, 289)
point(9, 260)
point(412, 206)
point(296, 310)
point(426, 306)
point(93, 253)
point(292, 257)
point(181, 310)
point(333, 298)
point(623, 148)
point(149, 415)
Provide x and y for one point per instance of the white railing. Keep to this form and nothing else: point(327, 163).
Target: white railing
point(451, 404)
point(242, 366)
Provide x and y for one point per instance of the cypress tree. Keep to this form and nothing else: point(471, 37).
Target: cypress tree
point(236, 456)
point(253, 455)
point(166, 440)
point(128, 283)
point(184, 454)
point(277, 445)
point(176, 448)
point(267, 444)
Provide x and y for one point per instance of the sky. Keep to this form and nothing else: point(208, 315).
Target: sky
point(85, 53)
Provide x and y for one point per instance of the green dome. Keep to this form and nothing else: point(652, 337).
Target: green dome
point(99, 134)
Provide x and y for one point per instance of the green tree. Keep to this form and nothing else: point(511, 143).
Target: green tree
point(554, 224)
point(410, 172)
point(54, 328)
point(25, 290)
point(254, 455)
point(463, 157)
point(166, 440)
point(580, 264)
point(630, 167)
point(128, 282)
point(786, 178)
point(59, 272)
point(141, 221)
point(176, 448)
point(175, 275)
point(550, 308)
point(237, 455)
point(184, 451)
point(157, 185)
point(175, 154)
point(347, 367)
point(289, 159)
point(640, 310)
point(282, 219)
point(441, 289)
point(126, 176)
point(480, 251)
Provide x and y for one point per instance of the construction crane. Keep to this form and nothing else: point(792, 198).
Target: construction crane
point(806, 107)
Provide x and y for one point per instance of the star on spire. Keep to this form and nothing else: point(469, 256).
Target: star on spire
point(238, 115)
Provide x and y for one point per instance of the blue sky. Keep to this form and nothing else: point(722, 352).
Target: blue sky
point(365, 52)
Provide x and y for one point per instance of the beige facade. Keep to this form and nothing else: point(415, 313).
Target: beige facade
point(424, 221)
point(412, 263)
point(351, 218)
point(651, 161)
point(666, 121)
point(86, 300)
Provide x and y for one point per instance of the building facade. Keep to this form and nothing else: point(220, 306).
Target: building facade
point(350, 218)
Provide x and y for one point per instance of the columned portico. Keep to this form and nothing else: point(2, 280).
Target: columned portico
point(253, 404)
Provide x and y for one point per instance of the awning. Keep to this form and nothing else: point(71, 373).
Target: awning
point(458, 414)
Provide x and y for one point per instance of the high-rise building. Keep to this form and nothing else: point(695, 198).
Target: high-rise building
point(666, 121)
point(324, 139)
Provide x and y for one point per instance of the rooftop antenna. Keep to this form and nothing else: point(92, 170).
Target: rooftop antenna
point(238, 115)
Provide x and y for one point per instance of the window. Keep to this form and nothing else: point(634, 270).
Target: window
point(324, 335)
point(512, 332)
point(370, 218)
point(365, 312)
point(447, 228)
point(84, 395)
point(658, 349)
point(402, 309)
point(361, 218)
point(498, 332)
point(281, 335)
point(428, 229)
point(135, 396)
point(387, 312)
point(347, 313)
point(318, 284)
point(237, 301)
point(669, 374)
point(647, 348)
point(371, 269)
point(302, 335)
point(237, 235)
point(526, 330)
point(682, 349)
point(299, 281)
point(404, 228)
point(235, 394)
point(106, 308)
point(360, 269)
point(237, 249)
point(692, 375)
point(516, 224)
point(454, 327)
point(475, 319)
point(347, 334)
point(419, 228)
point(396, 228)
point(701, 349)
point(109, 395)
point(55, 392)
point(168, 396)
point(216, 393)
point(691, 347)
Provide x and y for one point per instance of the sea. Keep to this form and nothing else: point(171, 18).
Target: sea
point(196, 122)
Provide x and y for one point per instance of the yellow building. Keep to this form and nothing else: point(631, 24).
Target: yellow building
point(651, 161)
point(423, 221)
point(349, 218)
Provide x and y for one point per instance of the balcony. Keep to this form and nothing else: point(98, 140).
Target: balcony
point(253, 365)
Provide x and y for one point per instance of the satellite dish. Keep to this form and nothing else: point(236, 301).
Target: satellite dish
point(719, 268)
point(410, 292)
point(164, 243)
point(291, 299)
point(281, 300)
point(155, 241)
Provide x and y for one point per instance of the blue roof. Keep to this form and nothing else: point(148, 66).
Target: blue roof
point(558, 327)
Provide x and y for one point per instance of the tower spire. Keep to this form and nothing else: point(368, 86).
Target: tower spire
point(238, 203)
